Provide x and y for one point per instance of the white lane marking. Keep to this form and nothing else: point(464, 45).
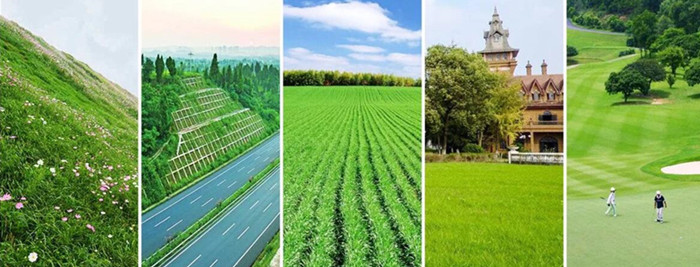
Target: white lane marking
point(253, 190)
point(256, 203)
point(246, 230)
point(234, 182)
point(171, 227)
point(251, 170)
point(212, 264)
point(239, 170)
point(266, 159)
point(256, 240)
point(195, 259)
point(268, 206)
point(207, 202)
point(190, 193)
point(222, 181)
point(257, 158)
point(161, 222)
point(273, 186)
point(195, 199)
point(229, 228)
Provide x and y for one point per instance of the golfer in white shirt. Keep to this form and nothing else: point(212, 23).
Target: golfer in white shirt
point(611, 203)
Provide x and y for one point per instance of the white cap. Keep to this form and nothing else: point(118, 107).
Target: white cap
point(658, 192)
point(612, 188)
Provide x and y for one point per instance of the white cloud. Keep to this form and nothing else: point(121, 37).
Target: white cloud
point(368, 57)
point(397, 58)
point(299, 58)
point(358, 16)
point(408, 65)
point(362, 48)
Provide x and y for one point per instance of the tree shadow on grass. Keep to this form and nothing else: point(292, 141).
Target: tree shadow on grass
point(631, 103)
point(695, 96)
point(654, 93)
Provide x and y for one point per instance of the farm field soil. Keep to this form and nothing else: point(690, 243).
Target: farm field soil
point(612, 144)
point(493, 214)
point(352, 166)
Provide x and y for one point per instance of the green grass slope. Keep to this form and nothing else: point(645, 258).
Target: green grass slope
point(595, 47)
point(625, 146)
point(491, 214)
point(68, 154)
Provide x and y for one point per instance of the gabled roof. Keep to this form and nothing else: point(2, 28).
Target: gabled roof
point(541, 82)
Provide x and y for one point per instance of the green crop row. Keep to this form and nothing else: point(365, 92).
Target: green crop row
point(352, 176)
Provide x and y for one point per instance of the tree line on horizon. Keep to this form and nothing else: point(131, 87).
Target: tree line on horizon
point(335, 78)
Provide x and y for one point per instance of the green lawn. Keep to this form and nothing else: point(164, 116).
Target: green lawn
point(492, 214)
point(595, 47)
point(625, 146)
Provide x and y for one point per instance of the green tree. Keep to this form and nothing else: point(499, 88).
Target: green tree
point(643, 29)
point(571, 51)
point(692, 74)
point(146, 70)
point(670, 79)
point(626, 82)
point(214, 68)
point(684, 13)
point(170, 64)
point(160, 67)
point(649, 68)
point(458, 85)
point(672, 57)
point(506, 109)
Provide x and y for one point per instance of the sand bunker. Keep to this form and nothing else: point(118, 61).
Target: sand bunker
point(687, 168)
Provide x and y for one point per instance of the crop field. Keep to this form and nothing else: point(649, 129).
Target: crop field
point(493, 214)
point(68, 159)
point(352, 168)
point(625, 146)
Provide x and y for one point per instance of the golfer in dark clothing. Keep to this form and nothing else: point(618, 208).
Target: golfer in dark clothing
point(659, 205)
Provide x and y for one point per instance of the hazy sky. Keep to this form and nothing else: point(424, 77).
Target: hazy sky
point(103, 34)
point(536, 28)
point(377, 36)
point(206, 23)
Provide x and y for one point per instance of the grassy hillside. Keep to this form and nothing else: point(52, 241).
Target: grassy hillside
point(68, 154)
point(595, 47)
point(625, 146)
point(495, 214)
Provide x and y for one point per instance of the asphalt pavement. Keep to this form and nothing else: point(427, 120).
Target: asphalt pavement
point(238, 237)
point(175, 215)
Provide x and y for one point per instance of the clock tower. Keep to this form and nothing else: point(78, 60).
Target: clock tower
point(498, 53)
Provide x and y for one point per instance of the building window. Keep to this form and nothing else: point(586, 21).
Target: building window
point(551, 96)
point(549, 144)
point(536, 96)
point(547, 118)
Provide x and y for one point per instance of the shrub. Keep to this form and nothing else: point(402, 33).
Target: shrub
point(473, 148)
point(615, 24)
point(626, 52)
point(670, 79)
point(571, 51)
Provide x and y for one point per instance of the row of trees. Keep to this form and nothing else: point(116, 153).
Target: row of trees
point(329, 78)
point(466, 103)
point(638, 76)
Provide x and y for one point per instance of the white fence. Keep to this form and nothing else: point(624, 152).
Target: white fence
point(535, 158)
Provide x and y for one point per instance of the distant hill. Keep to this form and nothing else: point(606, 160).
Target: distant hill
point(261, 53)
point(69, 154)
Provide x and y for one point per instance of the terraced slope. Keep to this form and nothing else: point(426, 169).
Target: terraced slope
point(68, 159)
point(352, 176)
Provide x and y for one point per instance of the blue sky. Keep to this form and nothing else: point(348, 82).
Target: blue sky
point(103, 34)
point(536, 28)
point(358, 36)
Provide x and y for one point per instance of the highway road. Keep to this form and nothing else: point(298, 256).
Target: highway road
point(184, 209)
point(238, 237)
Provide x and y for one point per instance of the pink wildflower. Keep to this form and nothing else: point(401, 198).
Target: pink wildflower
point(65, 219)
point(89, 226)
point(19, 205)
point(77, 216)
point(5, 197)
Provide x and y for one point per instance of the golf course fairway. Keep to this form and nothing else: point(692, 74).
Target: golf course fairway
point(625, 145)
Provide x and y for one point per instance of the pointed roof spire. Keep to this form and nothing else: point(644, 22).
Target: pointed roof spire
point(495, 11)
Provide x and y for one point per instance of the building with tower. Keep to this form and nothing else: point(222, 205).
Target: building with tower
point(543, 117)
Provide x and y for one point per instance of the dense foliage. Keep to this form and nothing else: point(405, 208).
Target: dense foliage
point(333, 78)
point(252, 84)
point(626, 82)
point(352, 176)
point(467, 103)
